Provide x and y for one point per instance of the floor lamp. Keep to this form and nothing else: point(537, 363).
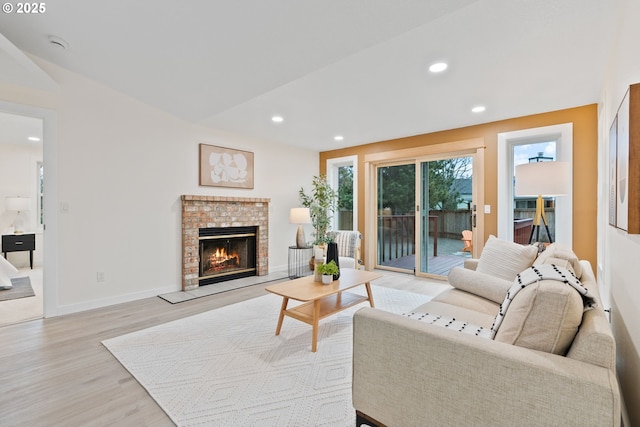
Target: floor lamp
point(542, 179)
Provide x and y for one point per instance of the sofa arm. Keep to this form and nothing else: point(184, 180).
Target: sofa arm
point(471, 263)
point(410, 373)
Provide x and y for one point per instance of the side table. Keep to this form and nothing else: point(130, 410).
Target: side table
point(299, 259)
point(19, 242)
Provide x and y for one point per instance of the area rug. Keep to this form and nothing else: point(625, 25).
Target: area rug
point(21, 288)
point(226, 367)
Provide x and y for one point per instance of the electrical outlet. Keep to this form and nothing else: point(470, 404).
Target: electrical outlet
point(100, 276)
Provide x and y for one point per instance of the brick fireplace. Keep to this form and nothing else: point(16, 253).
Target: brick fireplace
point(204, 212)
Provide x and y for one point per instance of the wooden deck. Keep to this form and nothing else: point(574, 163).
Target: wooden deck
point(449, 255)
point(440, 265)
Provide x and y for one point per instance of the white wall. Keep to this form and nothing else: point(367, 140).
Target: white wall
point(121, 167)
point(619, 252)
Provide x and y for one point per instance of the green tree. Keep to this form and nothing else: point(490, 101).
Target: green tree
point(397, 188)
point(445, 177)
point(397, 185)
point(345, 188)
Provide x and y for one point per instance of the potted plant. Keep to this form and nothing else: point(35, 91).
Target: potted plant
point(328, 270)
point(322, 202)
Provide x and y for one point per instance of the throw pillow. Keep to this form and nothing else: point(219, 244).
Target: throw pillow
point(504, 259)
point(481, 284)
point(543, 316)
point(556, 252)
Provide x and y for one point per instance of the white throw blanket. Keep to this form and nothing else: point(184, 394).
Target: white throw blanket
point(534, 274)
point(529, 276)
point(451, 323)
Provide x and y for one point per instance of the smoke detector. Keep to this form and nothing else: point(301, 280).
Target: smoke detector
point(58, 42)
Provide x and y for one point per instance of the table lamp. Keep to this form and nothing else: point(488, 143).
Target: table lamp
point(18, 204)
point(542, 179)
point(300, 216)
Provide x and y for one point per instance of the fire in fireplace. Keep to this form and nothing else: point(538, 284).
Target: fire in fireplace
point(226, 253)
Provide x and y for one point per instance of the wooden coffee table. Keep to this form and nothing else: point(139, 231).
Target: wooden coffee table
point(321, 300)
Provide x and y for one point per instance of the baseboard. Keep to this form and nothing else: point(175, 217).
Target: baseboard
point(118, 299)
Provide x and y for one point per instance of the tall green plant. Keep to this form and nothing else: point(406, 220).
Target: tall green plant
point(322, 202)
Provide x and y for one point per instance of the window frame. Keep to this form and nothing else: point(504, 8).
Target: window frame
point(562, 134)
point(333, 166)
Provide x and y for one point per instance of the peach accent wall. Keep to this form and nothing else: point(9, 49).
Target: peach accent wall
point(585, 165)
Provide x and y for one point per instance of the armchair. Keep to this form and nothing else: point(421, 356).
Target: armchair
point(348, 248)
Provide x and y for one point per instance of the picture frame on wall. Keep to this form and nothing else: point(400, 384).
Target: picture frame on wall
point(613, 172)
point(225, 167)
point(624, 164)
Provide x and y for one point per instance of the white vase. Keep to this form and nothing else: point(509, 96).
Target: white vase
point(327, 279)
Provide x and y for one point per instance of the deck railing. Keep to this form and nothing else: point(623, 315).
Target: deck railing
point(396, 233)
point(396, 237)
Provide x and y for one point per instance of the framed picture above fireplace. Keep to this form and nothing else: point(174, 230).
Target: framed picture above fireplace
point(225, 167)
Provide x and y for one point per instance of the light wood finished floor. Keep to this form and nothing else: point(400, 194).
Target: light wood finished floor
point(55, 372)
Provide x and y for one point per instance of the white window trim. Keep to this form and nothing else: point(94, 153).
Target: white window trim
point(332, 178)
point(563, 135)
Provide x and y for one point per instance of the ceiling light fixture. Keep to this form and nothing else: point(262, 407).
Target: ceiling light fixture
point(438, 67)
point(478, 109)
point(33, 138)
point(338, 137)
point(277, 119)
point(58, 42)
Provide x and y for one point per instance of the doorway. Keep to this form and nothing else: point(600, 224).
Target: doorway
point(423, 206)
point(22, 179)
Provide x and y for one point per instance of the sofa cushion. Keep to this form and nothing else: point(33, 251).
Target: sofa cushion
point(464, 299)
point(456, 312)
point(562, 256)
point(505, 259)
point(487, 286)
point(543, 316)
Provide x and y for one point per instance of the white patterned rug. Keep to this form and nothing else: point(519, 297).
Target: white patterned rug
point(226, 367)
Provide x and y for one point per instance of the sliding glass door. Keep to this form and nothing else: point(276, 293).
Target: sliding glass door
point(396, 216)
point(446, 210)
point(423, 207)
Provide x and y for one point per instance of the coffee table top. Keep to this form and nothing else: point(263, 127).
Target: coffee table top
point(306, 289)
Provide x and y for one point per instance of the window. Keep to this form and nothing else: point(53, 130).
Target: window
point(559, 135)
point(524, 208)
point(342, 174)
point(40, 193)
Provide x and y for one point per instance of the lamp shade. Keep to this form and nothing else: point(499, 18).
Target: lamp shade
point(299, 216)
point(543, 178)
point(18, 203)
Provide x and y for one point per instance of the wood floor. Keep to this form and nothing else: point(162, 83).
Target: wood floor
point(55, 372)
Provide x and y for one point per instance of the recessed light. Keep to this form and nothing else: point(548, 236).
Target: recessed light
point(338, 137)
point(438, 67)
point(33, 138)
point(478, 109)
point(277, 119)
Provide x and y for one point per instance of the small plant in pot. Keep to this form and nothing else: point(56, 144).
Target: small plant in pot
point(328, 270)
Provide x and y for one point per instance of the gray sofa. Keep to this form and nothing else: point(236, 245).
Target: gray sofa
point(550, 363)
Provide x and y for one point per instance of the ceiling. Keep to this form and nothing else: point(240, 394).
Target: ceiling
point(356, 68)
point(16, 130)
